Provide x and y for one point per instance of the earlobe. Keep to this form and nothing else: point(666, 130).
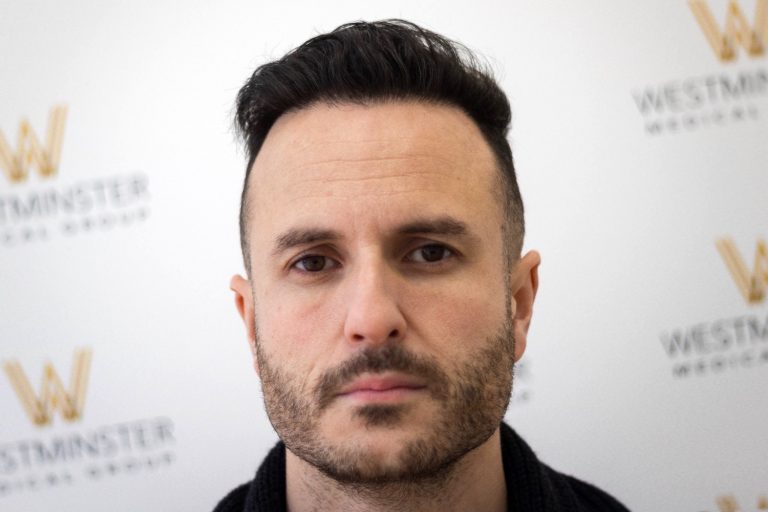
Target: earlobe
point(244, 304)
point(525, 284)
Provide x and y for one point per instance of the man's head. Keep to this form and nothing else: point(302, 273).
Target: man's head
point(368, 63)
point(387, 302)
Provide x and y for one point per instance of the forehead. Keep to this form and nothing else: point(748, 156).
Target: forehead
point(380, 160)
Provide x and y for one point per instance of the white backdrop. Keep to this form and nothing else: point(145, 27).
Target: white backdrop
point(636, 147)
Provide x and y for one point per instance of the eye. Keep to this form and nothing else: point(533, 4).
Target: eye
point(314, 263)
point(432, 253)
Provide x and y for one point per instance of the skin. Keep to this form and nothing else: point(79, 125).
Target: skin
point(355, 176)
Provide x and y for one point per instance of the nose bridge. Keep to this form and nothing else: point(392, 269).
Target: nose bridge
point(373, 309)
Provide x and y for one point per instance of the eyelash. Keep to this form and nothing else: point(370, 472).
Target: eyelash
point(308, 256)
point(449, 253)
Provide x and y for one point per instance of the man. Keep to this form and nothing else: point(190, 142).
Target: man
point(387, 300)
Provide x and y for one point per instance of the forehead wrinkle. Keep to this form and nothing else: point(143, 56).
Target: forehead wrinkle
point(425, 172)
point(402, 183)
point(309, 141)
point(358, 175)
point(350, 161)
point(402, 143)
point(372, 159)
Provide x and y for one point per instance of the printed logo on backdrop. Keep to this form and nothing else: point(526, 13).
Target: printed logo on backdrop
point(740, 342)
point(30, 153)
point(737, 30)
point(735, 89)
point(729, 503)
point(53, 394)
point(73, 455)
point(38, 202)
point(752, 284)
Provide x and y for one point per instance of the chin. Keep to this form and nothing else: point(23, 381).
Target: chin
point(383, 445)
point(369, 462)
point(375, 438)
point(378, 444)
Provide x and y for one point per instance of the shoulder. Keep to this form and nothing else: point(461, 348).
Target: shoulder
point(234, 501)
point(533, 485)
point(266, 492)
point(588, 497)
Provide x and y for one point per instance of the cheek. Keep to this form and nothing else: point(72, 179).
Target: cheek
point(458, 317)
point(295, 326)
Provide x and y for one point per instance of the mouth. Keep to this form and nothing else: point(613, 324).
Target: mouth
point(382, 388)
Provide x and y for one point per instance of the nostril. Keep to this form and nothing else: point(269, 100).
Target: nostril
point(394, 334)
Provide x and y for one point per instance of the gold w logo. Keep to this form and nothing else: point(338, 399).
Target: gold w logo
point(752, 285)
point(730, 504)
point(53, 395)
point(30, 152)
point(737, 31)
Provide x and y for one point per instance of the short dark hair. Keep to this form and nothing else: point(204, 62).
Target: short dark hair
point(366, 62)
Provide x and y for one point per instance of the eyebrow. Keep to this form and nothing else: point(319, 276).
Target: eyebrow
point(445, 225)
point(296, 237)
point(438, 226)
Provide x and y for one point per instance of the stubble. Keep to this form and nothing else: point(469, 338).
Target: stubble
point(470, 401)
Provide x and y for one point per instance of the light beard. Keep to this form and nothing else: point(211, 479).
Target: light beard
point(471, 404)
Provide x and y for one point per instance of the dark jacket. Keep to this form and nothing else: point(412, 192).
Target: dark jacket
point(531, 485)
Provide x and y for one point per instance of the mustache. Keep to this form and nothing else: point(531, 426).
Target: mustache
point(374, 360)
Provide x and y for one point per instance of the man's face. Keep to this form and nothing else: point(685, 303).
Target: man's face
point(381, 297)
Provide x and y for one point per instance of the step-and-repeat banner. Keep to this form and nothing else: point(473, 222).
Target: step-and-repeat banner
point(641, 138)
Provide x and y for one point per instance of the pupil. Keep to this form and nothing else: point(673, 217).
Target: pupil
point(314, 263)
point(432, 252)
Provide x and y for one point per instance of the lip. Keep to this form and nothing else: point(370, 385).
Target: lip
point(387, 386)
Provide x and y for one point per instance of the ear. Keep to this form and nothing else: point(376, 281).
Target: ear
point(524, 284)
point(244, 304)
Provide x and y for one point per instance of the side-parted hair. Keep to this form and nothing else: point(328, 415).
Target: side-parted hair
point(366, 63)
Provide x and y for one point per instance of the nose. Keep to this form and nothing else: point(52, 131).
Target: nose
point(373, 314)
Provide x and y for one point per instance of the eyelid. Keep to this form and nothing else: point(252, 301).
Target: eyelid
point(324, 252)
point(329, 264)
point(452, 253)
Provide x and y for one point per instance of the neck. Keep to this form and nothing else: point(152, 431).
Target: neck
point(474, 482)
